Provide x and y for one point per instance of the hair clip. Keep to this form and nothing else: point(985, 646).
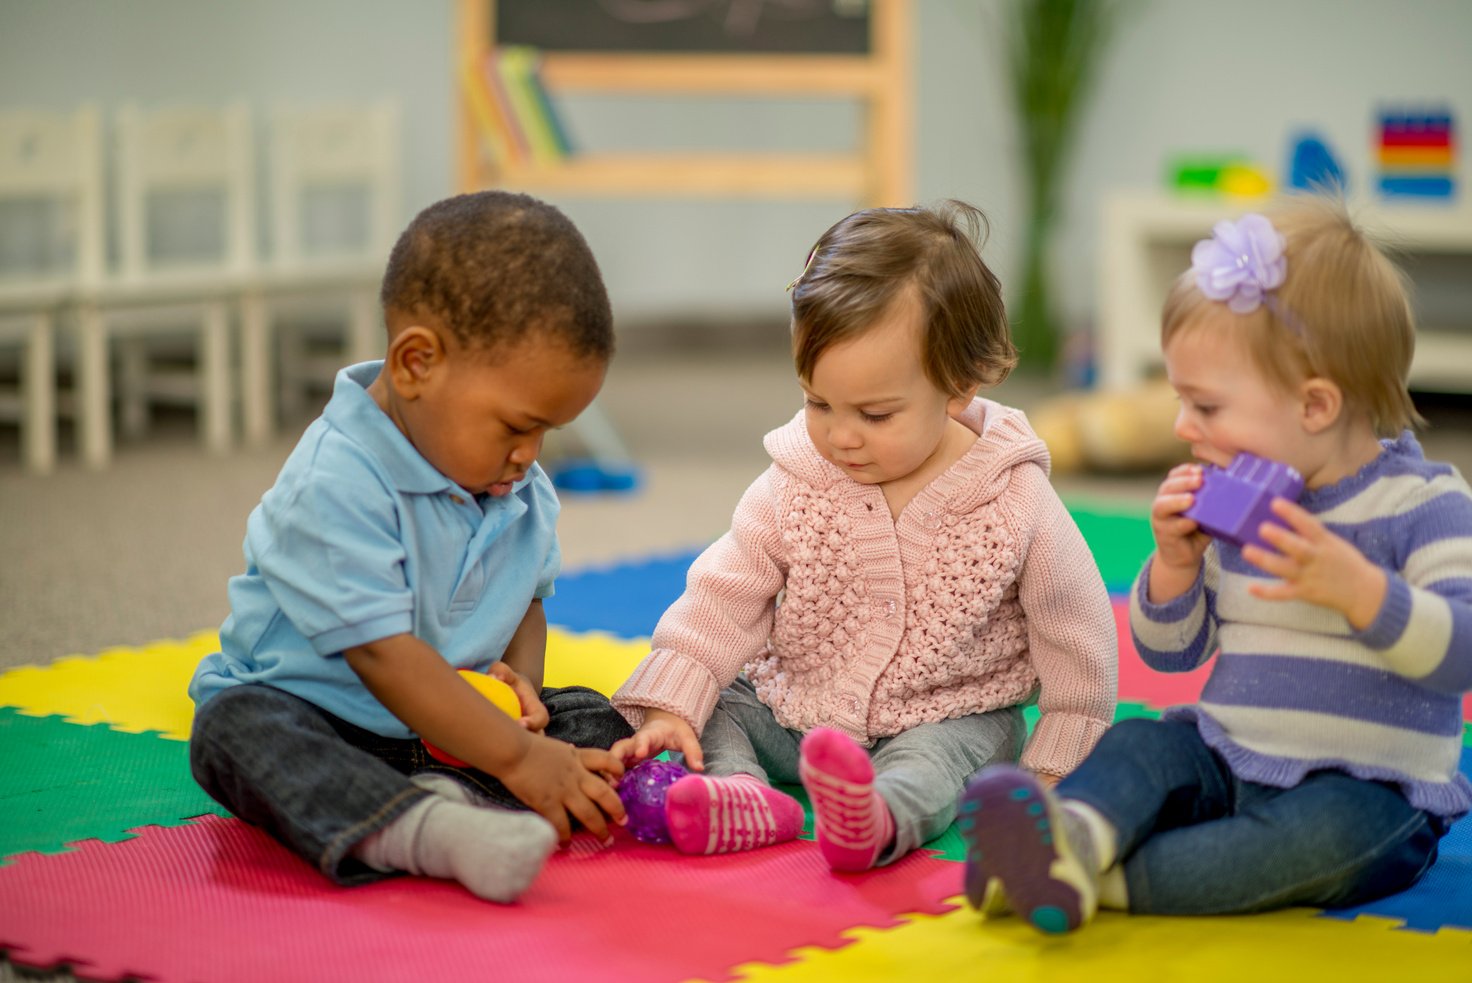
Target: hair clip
point(812, 255)
point(1240, 263)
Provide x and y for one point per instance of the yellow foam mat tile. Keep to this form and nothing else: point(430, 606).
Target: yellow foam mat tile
point(595, 659)
point(144, 689)
point(1295, 944)
point(129, 689)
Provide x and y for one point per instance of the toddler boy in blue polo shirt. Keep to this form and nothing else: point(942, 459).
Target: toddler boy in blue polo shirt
point(410, 534)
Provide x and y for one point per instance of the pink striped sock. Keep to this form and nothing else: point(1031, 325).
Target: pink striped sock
point(852, 821)
point(721, 815)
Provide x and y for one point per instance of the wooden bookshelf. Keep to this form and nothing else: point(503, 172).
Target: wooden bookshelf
point(878, 172)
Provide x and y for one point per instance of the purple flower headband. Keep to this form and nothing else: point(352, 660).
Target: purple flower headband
point(1240, 263)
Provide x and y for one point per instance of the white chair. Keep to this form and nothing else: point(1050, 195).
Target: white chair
point(194, 161)
point(335, 194)
point(51, 172)
point(32, 401)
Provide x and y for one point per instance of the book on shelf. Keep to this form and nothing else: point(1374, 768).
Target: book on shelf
point(515, 117)
point(548, 107)
point(491, 125)
point(532, 109)
point(521, 151)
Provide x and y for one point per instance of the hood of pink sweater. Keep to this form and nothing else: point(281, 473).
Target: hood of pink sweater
point(1004, 440)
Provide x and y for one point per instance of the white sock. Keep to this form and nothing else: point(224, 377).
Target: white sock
point(494, 853)
point(448, 787)
point(1114, 893)
point(1100, 832)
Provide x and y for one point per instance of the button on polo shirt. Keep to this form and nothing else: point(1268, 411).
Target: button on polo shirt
point(361, 538)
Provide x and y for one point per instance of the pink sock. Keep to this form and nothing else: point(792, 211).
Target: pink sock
point(721, 815)
point(852, 821)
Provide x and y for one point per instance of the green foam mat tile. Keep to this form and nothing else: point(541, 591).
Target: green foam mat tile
point(62, 782)
point(1120, 540)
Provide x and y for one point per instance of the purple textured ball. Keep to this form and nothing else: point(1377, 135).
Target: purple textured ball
point(642, 791)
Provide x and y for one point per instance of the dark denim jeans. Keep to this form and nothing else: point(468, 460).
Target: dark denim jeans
point(320, 784)
point(1197, 840)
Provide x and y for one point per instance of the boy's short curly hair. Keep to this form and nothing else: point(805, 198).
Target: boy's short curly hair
point(866, 260)
point(493, 267)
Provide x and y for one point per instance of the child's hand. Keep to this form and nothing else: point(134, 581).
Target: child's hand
point(1315, 565)
point(662, 731)
point(557, 780)
point(1179, 541)
point(534, 715)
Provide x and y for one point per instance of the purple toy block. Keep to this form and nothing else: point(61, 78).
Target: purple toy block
point(1232, 504)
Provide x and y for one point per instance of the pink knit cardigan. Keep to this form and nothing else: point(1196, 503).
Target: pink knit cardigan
point(981, 594)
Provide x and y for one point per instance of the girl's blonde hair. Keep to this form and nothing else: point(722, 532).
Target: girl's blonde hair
point(865, 261)
point(1343, 313)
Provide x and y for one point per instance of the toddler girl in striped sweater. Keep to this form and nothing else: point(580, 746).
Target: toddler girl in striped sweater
point(894, 587)
point(1320, 766)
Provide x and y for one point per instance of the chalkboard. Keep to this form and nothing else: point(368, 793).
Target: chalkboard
point(697, 26)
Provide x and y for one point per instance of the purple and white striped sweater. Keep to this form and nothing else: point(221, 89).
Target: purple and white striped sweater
point(1295, 688)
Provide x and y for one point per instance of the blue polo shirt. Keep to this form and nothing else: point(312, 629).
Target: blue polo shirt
point(361, 538)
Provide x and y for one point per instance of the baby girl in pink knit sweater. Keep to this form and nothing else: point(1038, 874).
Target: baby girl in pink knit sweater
point(894, 587)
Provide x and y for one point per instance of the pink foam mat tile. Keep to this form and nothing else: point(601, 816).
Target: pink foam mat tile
point(219, 900)
point(1138, 683)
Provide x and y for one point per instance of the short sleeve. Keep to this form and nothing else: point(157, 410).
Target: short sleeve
point(330, 551)
point(551, 567)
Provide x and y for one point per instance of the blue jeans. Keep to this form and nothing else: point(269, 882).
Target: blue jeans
point(1195, 839)
point(319, 784)
point(919, 773)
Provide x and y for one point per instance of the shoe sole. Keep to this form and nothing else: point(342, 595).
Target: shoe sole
point(1013, 857)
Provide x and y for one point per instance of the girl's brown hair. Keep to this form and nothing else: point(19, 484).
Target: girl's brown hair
point(864, 262)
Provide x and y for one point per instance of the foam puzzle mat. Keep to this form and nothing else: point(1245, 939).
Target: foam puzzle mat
point(113, 864)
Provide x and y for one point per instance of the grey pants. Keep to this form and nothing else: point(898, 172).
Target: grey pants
point(919, 773)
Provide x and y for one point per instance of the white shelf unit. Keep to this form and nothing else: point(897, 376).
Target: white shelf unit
point(1145, 242)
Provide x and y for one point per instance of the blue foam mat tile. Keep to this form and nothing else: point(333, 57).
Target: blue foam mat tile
point(624, 599)
point(1441, 899)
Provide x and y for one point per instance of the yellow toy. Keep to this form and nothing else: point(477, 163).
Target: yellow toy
point(502, 697)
